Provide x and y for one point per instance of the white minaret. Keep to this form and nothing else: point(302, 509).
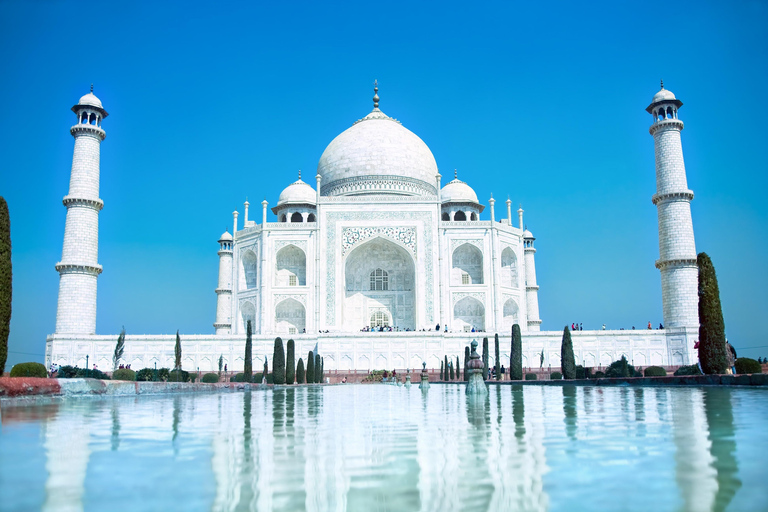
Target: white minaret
point(223, 323)
point(677, 247)
point(79, 267)
point(531, 288)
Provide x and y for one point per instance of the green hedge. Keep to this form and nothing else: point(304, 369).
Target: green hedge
point(72, 372)
point(29, 370)
point(240, 377)
point(688, 370)
point(583, 373)
point(621, 368)
point(210, 378)
point(655, 371)
point(530, 376)
point(747, 365)
point(178, 376)
point(150, 374)
point(599, 374)
point(556, 376)
point(124, 374)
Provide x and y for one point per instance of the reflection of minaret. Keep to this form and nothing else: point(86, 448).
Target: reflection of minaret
point(67, 452)
point(719, 411)
point(696, 478)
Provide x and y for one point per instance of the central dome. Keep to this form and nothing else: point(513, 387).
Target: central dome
point(377, 155)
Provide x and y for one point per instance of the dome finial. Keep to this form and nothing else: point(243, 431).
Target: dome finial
point(375, 94)
point(91, 88)
point(299, 173)
point(662, 83)
point(455, 174)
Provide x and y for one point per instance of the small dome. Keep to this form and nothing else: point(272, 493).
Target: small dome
point(527, 234)
point(297, 192)
point(458, 192)
point(663, 95)
point(225, 237)
point(90, 100)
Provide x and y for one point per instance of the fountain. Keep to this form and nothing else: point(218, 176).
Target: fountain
point(408, 378)
point(424, 377)
point(476, 385)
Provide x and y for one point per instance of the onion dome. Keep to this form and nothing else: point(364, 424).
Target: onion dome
point(90, 100)
point(377, 155)
point(225, 237)
point(297, 192)
point(664, 95)
point(458, 191)
point(528, 234)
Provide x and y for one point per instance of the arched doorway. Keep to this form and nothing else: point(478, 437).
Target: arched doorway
point(290, 317)
point(291, 266)
point(469, 313)
point(467, 265)
point(511, 316)
point(380, 279)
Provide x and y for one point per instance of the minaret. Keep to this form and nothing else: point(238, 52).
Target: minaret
point(531, 288)
point(223, 323)
point(79, 267)
point(677, 247)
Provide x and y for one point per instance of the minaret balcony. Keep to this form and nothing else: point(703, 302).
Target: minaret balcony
point(88, 129)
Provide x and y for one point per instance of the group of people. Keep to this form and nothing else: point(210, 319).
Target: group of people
point(492, 372)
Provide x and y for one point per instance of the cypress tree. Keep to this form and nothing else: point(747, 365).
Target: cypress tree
point(221, 363)
point(446, 374)
point(177, 352)
point(278, 362)
point(712, 349)
point(566, 355)
point(290, 364)
point(318, 369)
point(496, 364)
point(450, 368)
point(300, 372)
point(458, 369)
point(310, 368)
point(441, 371)
point(466, 360)
point(119, 348)
point(248, 363)
point(265, 371)
point(6, 282)
point(485, 358)
point(516, 355)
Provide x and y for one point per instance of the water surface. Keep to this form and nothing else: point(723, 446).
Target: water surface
point(382, 447)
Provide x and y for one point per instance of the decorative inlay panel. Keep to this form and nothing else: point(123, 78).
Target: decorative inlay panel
point(299, 298)
point(403, 235)
point(457, 296)
point(456, 243)
point(301, 244)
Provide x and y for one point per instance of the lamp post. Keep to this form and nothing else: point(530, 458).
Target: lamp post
point(154, 377)
point(86, 365)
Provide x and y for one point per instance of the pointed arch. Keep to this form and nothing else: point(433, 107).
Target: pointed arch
point(290, 317)
point(467, 263)
point(509, 273)
point(469, 313)
point(249, 265)
point(511, 316)
point(291, 267)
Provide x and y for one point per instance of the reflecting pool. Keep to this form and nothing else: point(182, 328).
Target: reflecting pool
point(382, 447)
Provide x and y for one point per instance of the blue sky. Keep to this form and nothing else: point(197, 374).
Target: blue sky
point(543, 102)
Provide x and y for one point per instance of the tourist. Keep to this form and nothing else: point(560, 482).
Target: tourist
point(502, 372)
point(573, 326)
point(384, 377)
point(649, 324)
point(660, 326)
point(581, 326)
point(344, 380)
point(603, 326)
point(730, 355)
point(437, 327)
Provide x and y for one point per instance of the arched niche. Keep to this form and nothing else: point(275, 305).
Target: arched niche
point(248, 312)
point(291, 266)
point(290, 317)
point(467, 263)
point(297, 217)
point(509, 268)
point(379, 276)
point(511, 315)
point(250, 264)
point(469, 313)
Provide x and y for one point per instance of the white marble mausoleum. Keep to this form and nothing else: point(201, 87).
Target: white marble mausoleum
point(377, 261)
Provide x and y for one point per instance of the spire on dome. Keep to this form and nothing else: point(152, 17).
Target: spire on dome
point(91, 88)
point(375, 94)
point(662, 83)
point(455, 174)
point(299, 173)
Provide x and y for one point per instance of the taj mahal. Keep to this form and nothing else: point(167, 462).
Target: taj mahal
point(378, 260)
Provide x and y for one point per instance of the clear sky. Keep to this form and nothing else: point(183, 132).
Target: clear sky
point(544, 102)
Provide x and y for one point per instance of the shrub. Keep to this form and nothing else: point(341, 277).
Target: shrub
point(655, 371)
point(712, 349)
point(67, 372)
point(192, 377)
point(238, 377)
point(178, 376)
point(556, 376)
point(259, 377)
point(278, 362)
point(599, 375)
point(300, 372)
point(29, 370)
point(210, 378)
point(621, 368)
point(516, 365)
point(290, 363)
point(530, 376)
point(747, 365)
point(144, 375)
point(581, 372)
point(566, 355)
point(163, 374)
point(124, 374)
point(692, 369)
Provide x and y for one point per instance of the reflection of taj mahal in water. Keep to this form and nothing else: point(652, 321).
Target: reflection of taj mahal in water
point(378, 245)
